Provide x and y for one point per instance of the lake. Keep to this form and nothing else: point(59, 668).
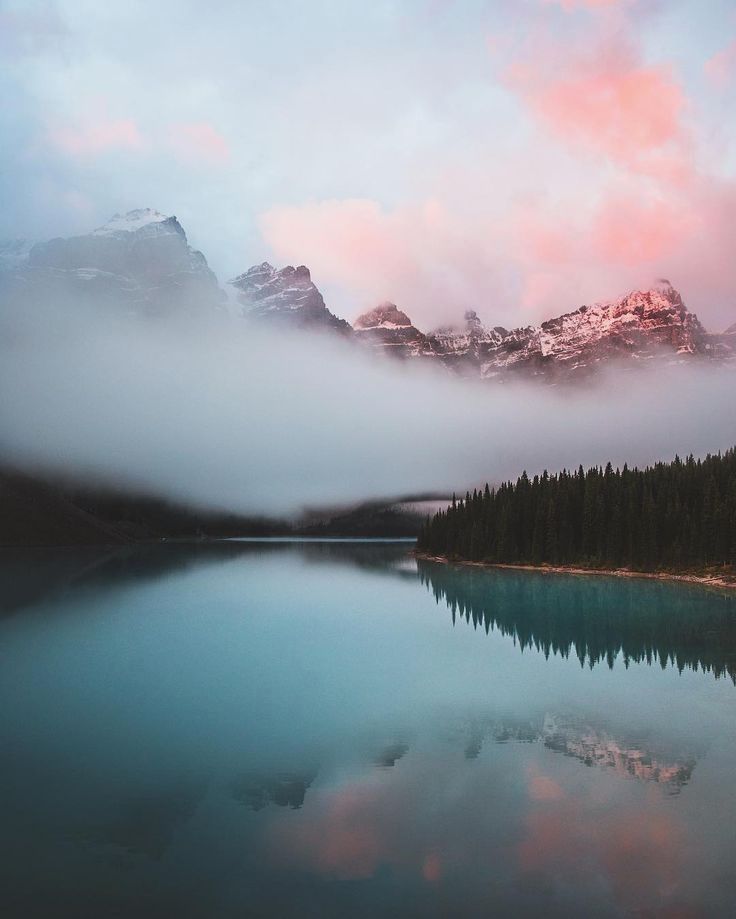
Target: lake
point(334, 729)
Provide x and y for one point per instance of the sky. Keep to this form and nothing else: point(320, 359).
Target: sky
point(517, 157)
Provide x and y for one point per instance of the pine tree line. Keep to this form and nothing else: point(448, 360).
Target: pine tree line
point(670, 516)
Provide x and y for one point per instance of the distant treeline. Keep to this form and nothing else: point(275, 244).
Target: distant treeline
point(678, 515)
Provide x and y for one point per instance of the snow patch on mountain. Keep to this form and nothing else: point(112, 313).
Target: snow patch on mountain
point(140, 260)
point(131, 221)
point(284, 296)
point(385, 316)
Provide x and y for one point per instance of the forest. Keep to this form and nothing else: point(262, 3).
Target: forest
point(676, 516)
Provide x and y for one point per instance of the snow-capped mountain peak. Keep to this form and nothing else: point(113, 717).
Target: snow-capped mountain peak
point(139, 260)
point(384, 316)
point(131, 221)
point(285, 295)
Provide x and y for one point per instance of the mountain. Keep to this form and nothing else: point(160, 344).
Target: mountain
point(641, 327)
point(38, 513)
point(45, 511)
point(285, 297)
point(723, 346)
point(635, 329)
point(141, 259)
point(388, 330)
point(466, 348)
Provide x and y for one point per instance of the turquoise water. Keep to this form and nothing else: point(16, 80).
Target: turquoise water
point(330, 729)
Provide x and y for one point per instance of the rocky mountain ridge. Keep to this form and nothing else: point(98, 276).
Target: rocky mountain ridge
point(637, 329)
point(643, 326)
point(143, 260)
point(140, 259)
point(284, 297)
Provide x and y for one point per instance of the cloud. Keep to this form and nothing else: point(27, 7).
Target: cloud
point(721, 67)
point(93, 137)
point(223, 415)
point(198, 141)
point(609, 194)
point(421, 256)
point(632, 230)
point(608, 102)
point(420, 187)
point(436, 263)
point(570, 5)
point(31, 31)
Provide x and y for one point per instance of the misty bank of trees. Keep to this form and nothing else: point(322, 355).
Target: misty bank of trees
point(671, 516)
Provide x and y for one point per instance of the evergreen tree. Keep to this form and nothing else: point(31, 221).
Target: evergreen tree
point(674, 515)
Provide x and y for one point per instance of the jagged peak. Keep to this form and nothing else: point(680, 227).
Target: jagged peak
point(640, 302)
point(471, 327)
point(265, 273)
point(301, 272)
point(386, 315)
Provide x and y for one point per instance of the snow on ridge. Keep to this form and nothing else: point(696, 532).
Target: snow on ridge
point(130, 222)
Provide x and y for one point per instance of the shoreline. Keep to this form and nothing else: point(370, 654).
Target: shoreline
point(722, 582)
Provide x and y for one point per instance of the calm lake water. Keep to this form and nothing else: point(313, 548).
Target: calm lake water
point(331, 729)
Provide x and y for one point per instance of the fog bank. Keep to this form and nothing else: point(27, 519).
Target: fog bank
point(225, 416)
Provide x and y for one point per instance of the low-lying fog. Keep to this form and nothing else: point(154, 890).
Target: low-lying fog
point(224, 415)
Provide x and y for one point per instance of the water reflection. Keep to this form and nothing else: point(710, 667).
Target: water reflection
point(31, 576)
point(144, 822)
point(595, 618)
point(284, 789)
point(592, 744)
point(258, 729)
point(389, 756)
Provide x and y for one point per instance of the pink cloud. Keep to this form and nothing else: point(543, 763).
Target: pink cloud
point(631, 235)
point(544, 232)
point(632, 230)
point(611, 104)
point(198, 140)
point(418, 255)
point(96, 136)
point(721, 68)
point(569, 5)
point(521, 263)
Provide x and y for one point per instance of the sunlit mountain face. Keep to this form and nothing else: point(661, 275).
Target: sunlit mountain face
point(140, 263)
